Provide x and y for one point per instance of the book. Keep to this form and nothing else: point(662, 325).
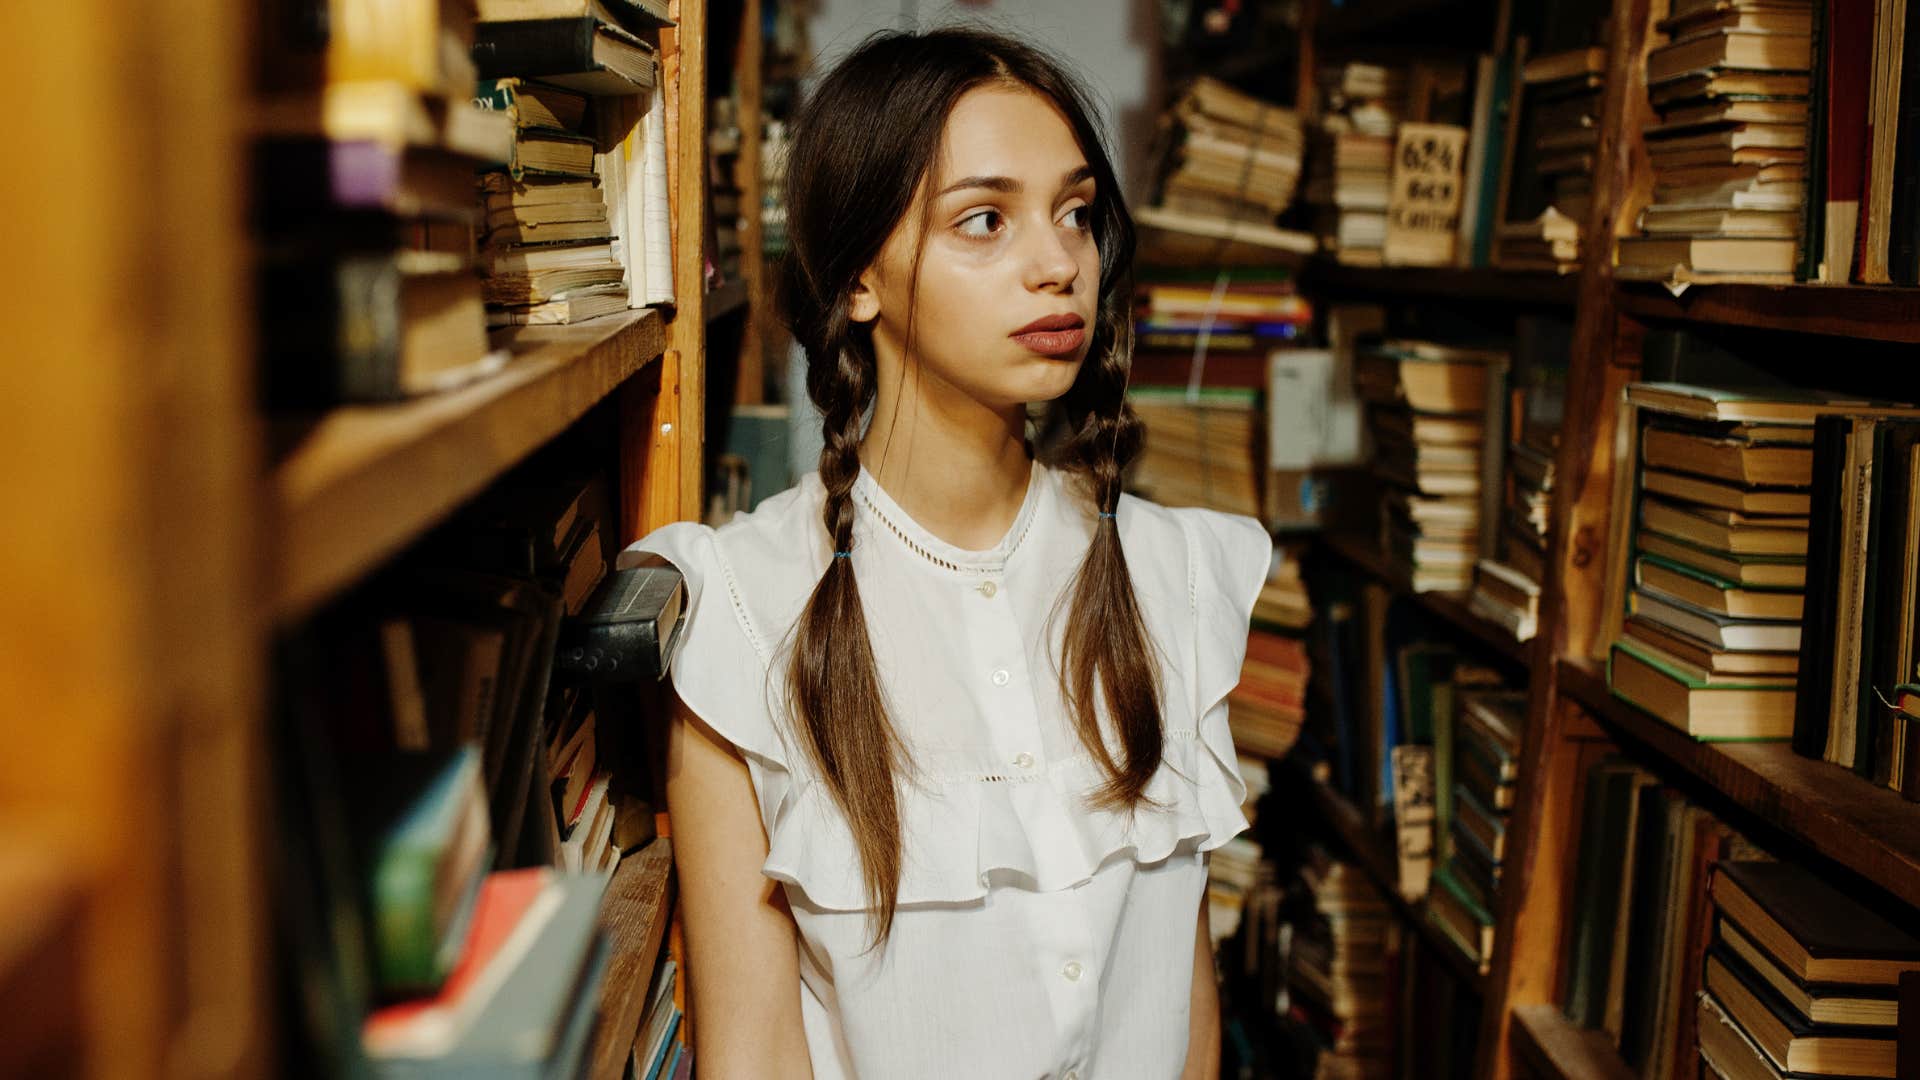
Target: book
point(1723, 48)
point(1812, 930)
point(1676, 580)
point(579, 53)
point(1764, 571)
point(1689, 653)
point(1738, 708)
point(1731, 532)
point(1778, 502)
point(1788, 1041)
point(1718, 631)
point(634, 15)
point(529, 969)
point(1816, 1003)
point(419, 822)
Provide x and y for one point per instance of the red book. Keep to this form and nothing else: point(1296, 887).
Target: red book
point(507, 920)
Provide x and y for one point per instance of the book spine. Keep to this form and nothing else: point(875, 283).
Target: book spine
point(534, 47)
point(1810, 712)
point(1814, 263)
point(1903, 256)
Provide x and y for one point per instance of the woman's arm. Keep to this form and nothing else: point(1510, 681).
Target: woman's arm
point(1203, 1020)
point(743, 961)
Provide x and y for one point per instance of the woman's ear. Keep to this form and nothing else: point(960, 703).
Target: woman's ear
point(863, 303)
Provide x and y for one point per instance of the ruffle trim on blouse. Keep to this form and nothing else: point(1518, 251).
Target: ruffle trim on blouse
point(1031, 834)
point(1027, 831)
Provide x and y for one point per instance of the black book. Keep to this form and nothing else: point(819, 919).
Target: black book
point(580, 53)
point(1903, 252)
point(1813, 693)
point(1813, 217)
point(629, 628)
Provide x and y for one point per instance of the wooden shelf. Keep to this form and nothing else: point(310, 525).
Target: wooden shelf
point(727, 299)
point(634, 916)
point(1867, 829)
point(1451, 607)
point(1870, 312)
point(1375, 854)
point(1446, 283)
point(355, 485)
point(1559, 1051)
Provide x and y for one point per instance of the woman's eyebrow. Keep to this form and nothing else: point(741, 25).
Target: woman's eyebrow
point(1009, 186)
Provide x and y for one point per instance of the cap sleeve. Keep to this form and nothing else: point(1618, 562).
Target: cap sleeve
point(719, 669)
point(1228, 559)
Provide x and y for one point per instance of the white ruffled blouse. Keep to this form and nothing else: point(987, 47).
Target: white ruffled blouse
point(1033, 937)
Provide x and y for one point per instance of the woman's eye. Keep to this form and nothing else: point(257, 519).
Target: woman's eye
point(981, 225)
point(1080, 217)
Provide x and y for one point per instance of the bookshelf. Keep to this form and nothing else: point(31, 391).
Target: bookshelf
point(635, 913)
point(358, 483)
point(162, 527)
point(1838, 823)
point(1490, 285)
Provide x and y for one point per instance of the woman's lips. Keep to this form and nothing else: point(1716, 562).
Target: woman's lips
point(1060, 334)
point(1053, 342)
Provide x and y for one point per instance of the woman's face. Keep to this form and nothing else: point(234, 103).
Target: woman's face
point(1008, 278)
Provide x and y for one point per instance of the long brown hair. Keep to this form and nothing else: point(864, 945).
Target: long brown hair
point(864, 139)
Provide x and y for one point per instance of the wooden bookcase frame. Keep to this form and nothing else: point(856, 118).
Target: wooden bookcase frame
point(1864, 835)
point(152, 544)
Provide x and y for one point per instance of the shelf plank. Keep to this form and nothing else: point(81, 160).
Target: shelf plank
point(356, 485)
point(1870, 312)
point(1867, 829)
point(1375, 854)
point(634, 917)
point(1559, 1051)
point(1451, 607)
point(1447, 283)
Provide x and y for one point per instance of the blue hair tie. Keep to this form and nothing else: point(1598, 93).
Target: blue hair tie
point(843, 554)
point(1104, 514)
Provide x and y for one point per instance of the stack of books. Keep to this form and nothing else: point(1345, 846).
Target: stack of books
point(521, 999)
point(1480, 771)
point(1221, 324)
point(365, 209)
point(1506, 589)
point(1801, 979)
point(1437, 417)
point(548, 203)
point(1558, 135)
point(661, 1052)
point(1352, 169)
point(1232, 166)
point(575, 221)
point(1730, 150)
point(1233, 157)
point(1266, 709)
point(1342, 967)
point(1204, 448)
point(1710, 555)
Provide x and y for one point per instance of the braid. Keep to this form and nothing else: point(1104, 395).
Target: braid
point(835, 685)
point(1104, 651)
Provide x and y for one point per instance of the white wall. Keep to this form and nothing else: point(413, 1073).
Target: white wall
point(1111, 44)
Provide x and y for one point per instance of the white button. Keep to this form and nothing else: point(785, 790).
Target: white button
point(1000, 677)
point(1023, 759)
point(1071, 971)
point(988, 588)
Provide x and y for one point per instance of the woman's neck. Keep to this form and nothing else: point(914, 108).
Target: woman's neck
point(959, 467)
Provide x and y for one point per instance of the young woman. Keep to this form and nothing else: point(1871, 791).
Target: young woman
point(951, 745)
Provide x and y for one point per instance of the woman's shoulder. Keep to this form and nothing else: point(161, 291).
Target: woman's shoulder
point(764, 561)
point(1209, 549)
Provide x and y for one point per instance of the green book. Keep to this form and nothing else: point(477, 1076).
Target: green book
point(419, 823)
